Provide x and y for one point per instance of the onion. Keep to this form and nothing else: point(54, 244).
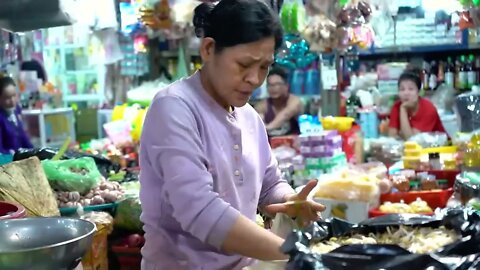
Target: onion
point(135, 240)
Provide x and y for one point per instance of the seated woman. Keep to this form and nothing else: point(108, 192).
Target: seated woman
point(412, 114)
point(12, 133)
point(280, 111)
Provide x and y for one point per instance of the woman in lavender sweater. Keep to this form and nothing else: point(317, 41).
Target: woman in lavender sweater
point(206, 165)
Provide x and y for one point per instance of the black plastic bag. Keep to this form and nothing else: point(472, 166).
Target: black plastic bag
point(104, 165)
point(463, 254)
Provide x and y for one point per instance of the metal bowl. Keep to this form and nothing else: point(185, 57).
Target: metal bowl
point(44, 243)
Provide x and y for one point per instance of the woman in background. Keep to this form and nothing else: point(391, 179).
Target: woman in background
point(12, 133)
point(281, 109)
point(412, 114)
point(206, 164)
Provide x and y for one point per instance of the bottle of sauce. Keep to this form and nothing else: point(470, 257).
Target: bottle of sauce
point(425, 77)
point(450, 73)
point(471, 72)
point(462, 74)
point(432, 79)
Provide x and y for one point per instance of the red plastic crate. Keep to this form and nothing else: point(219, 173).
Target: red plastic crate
point(128, 258)
point(434, 198)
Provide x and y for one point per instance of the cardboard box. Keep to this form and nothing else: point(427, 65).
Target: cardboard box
point(352, 211)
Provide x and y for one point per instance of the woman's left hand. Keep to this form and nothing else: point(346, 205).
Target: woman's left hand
point(297, 206)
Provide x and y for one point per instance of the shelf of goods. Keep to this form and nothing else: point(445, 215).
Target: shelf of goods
point(50, 128)
point(69, 59)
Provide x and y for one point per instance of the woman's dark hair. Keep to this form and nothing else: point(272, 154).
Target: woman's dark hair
point(5, 82)
point(34, 65)
point(234, 22)
point(279, 72)
point(411, 75)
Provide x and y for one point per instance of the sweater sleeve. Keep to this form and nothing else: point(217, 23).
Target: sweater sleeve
point(174, 150)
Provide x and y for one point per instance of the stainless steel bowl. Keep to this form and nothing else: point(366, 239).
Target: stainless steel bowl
point(44, 243)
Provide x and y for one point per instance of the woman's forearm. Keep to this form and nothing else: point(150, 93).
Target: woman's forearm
point(246, 238)
point(405, 128)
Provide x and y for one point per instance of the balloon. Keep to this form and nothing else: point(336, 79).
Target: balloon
point(295, 53)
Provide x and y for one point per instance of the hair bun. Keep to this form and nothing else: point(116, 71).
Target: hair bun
point(201, 18)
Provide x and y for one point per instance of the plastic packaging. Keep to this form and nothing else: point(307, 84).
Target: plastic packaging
point(462, 254)
point(104, 165)
point(72, 175)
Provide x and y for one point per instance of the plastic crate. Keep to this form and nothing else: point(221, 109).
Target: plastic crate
point(128, 258)
point(434, 198)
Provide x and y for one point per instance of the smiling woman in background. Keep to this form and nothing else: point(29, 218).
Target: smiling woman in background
point(412, 114)
point(12, 133)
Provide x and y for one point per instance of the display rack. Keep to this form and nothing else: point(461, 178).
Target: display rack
point(68, 57)
point(50, 128)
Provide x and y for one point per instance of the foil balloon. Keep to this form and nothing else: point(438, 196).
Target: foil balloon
point(295, 53)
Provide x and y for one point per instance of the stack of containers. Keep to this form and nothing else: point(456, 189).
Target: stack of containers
point(322, 152)
point(369, 123)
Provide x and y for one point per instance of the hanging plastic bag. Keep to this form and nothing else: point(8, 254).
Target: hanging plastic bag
point(72, 175)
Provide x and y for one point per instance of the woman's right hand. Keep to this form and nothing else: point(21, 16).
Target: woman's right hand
point(409, 104)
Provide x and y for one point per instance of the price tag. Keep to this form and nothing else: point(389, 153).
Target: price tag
point(329, 79)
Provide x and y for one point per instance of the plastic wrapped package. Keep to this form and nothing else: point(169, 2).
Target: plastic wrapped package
point(72, 175)
point(97, 256)
point(461, 225)
point(386, 150)
point(430, 139)
point(348, 185)
point(468, 109)
point(375, 168)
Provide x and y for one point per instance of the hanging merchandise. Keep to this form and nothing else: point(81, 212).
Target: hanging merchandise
point(320, 33)
point(128, 17)
point(158, 16)
point(295, 53)
point(292, 16)
point(353, 30)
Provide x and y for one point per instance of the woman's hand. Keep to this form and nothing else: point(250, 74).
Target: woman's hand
point(297, 206)
point(409, 104)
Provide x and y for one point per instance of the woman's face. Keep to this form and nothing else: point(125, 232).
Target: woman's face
point(235, 72)
point(408, 91)
point(8, 98)
point(276, 86)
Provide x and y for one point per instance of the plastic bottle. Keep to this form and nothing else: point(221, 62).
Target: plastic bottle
point(432, 79)
point(296, 85)
point(450, 73)
point(312, 81)
point(462, 74)
point(471, 72)
point(425, 77)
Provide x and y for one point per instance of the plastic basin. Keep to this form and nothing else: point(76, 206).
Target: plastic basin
point(11, 211)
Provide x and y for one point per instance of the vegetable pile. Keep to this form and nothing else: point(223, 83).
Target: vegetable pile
point(420, 240)
point(106, 192)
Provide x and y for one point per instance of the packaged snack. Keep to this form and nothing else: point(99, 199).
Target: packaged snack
point(401, 183)
point(428, 182)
